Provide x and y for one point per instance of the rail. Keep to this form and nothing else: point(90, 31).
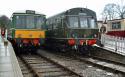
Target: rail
point(85, 66)
point(30, 67)
point(45, 67)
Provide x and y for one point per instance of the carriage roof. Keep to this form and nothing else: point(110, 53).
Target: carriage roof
point(75, 11)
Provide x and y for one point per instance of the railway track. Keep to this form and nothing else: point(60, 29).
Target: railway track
point(42, 67)
point(104, 64)
point(25, 70)
point(88, 67)
point(100, 62)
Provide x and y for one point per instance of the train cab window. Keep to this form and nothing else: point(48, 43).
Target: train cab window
point(83, 22)
point(20, 22)
point(92, 23)
point(73, 21)
point(116, 25)
point(42, 25)
point(39, 21)
point(30, 22)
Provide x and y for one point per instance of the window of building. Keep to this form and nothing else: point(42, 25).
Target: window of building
point(116, 25)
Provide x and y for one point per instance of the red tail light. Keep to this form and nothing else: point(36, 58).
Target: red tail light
point(35, 41)
point(95, 36)
point(71, 42)
point(91, 42)
point(25, 41)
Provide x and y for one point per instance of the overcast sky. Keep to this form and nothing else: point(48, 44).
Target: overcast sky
point(51, 7)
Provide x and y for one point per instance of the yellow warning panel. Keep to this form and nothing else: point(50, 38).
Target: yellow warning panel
point(29, 34)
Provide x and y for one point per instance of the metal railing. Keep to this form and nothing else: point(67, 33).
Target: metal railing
point(117, 44)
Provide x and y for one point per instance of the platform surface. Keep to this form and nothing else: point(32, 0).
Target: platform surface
point(9, 66)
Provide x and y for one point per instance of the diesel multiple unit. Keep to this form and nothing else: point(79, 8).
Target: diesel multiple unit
point(74, 29)
point(27, 30)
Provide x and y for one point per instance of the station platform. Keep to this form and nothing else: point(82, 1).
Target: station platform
point(9, 66)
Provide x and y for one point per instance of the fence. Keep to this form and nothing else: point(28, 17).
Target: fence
point(117, 44)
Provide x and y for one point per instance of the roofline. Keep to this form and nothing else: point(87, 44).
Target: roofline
point(68, 10)
point(27, 14)
point(117, 19)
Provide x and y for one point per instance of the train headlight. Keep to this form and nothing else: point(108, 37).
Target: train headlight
point(84, 35)
point(39, 44)
point(20, 45)
point(95, 35)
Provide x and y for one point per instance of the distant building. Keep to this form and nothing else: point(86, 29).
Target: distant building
point(116, 27)
point(116, 24)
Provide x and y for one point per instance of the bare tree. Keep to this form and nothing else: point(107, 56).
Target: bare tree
point(109, 11)
point(113, 11)
point(121, 8)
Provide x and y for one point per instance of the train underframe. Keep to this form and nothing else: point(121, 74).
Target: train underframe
point(63, 45)
point(25, 46)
